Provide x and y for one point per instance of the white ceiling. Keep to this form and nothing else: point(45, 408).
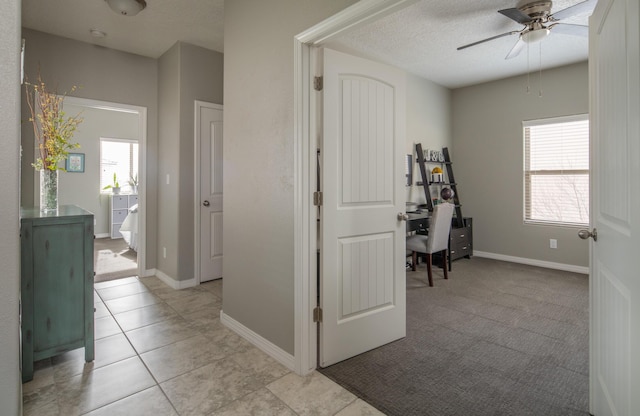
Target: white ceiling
point(149, 33)
point(421, 38)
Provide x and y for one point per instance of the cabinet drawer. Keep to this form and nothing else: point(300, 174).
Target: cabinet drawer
point(459, 234)
point(133, 199)
point(460, 250)
point(120, 201)
point(115, 231)
point(119, 215)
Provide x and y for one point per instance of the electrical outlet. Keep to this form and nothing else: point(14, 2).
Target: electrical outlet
point(167, 179)
point(164, 252)
point(553, 243)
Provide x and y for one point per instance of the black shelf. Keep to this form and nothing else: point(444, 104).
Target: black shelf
point(452, 182)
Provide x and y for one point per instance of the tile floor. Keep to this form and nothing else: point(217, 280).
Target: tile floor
point(161, 351)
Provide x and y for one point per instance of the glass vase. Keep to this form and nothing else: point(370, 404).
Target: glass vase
point(48, 191)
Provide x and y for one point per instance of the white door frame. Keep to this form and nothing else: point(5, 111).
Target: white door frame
point(304, 124)
point(196, 183)
point(142, 164)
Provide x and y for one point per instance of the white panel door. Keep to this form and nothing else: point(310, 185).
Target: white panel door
point(209, 119)
point(615, 276)
point(363, 242)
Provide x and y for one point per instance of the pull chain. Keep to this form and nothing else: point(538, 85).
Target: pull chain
point(528, 70)
point(540, 74)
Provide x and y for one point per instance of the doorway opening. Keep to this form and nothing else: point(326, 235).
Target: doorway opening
point(112, 186)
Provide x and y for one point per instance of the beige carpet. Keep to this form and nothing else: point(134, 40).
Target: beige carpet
point(113, 260)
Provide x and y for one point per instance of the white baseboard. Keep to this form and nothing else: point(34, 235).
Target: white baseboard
point(533, 262)
point(148, 273)
point(261, 343)
point(103, 235)
point(175, 284)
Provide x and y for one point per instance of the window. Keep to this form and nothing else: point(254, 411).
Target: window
point(119, 157)
point(556, 171)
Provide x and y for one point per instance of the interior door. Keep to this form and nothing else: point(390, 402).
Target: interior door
point(362, 239)
point(615, 279)
point(209, 131)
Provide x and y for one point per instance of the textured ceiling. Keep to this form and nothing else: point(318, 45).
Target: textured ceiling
point(421, 38)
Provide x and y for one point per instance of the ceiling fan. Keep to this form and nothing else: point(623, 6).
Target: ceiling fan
point(538, 22)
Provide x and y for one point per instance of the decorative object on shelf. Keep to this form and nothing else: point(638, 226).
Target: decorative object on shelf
point(446, 193)
point(115, 186)
point(435, 155)
point(52, 132)
point(75, 163)
point(127, 7)
point(133, 182)
point(436, 175)
point(427, 155)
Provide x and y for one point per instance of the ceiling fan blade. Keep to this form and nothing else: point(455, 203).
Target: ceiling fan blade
point(585, 6)
point(567, 29)
point(516, 14)
point(517, 48)
point(513, 32)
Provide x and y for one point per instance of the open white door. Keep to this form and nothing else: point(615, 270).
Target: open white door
point(615, 278)
point(362, 281)
point(209, 154)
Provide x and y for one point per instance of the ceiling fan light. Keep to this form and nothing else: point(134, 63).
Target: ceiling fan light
point(533, 36)
point(127, 7)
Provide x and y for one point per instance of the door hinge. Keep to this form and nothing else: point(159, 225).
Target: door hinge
point(317, 83)
point(317, 198)
point(317, 314)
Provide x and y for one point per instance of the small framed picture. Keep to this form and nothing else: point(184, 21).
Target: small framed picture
point(75, 162)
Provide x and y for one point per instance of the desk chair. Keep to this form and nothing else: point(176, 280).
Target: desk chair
point(436, 241)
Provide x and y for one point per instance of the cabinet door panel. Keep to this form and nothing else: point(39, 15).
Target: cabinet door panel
point(58, 285)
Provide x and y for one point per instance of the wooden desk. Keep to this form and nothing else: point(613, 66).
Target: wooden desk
point(418, 221)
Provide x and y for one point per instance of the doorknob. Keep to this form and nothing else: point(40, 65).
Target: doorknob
point(584, 234)
point(206, 203)
point(402, 216)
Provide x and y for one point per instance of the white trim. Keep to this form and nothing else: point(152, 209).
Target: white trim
point(142, 163)
point(175, 284)
point(533, 262)
point(360, 13)
point(102, 235)
point(263, 344)
point(304, 223)
point(196, 182)
point(148, 273)
point(555, 120)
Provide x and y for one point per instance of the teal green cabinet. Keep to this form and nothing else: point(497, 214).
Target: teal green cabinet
point(56, 284)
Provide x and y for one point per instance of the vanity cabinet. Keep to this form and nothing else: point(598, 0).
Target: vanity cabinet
point(56, 284)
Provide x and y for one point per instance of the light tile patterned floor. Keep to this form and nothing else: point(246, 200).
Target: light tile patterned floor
point(161, 351)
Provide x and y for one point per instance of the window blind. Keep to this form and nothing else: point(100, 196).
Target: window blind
point(556, 171)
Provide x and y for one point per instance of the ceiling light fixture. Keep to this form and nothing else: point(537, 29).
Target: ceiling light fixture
point(97, 33)
point(535, 35)
point(127, 7)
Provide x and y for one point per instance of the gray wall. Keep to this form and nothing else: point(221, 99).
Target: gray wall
point(186, 73)
point(101, 74)
point(428, 122)
point(258, 156)
point(168, 149)
point(487, 155)
point(83, 189)
point(10, 385)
